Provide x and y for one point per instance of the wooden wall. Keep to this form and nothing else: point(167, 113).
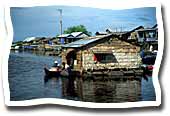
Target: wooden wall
point(127, 55)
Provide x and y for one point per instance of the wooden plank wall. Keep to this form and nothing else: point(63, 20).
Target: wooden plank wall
point(126, 54)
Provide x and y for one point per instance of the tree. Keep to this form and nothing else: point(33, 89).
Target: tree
point(78, 28)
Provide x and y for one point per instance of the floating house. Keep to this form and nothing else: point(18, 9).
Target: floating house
point(101, 52)
point(39, 43)
point(37, 40)
point(128, 36)
point(28, 39)
point(68, 38)
point(148, 35)
point(148, 38)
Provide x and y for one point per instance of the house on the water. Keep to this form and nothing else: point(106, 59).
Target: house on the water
point(68, 38)
point(40, 43)
point(128, 36)
point(148, 38)
point(101, 52)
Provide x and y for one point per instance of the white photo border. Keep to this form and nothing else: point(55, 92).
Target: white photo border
point(7, 35)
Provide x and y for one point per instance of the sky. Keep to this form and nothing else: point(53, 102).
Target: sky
point(43, 21)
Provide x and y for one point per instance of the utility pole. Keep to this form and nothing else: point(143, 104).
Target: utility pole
point(116, 29)
point(60, 20)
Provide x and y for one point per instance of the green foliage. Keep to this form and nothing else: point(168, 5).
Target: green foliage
point(57, 35)
point(79, 28)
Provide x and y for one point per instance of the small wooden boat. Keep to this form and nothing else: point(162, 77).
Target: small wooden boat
point(63, 73)
point(51, 73)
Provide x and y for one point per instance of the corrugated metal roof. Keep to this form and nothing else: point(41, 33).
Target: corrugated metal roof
point(65, 35)
point(101, 33)
point(75, 34)
point(28, 39)
point(71, 35)
point(80, 43)
point(147, 29)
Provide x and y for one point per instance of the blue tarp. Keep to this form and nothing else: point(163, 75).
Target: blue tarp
point(50, 42)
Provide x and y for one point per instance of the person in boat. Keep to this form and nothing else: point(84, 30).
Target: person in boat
point(55, 67)
point(63, 66)
point(68, 68)
point(65, 69)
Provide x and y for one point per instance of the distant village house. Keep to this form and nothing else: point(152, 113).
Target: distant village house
point(68, 38)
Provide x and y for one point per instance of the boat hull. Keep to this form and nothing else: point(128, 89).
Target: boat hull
point(51, 73)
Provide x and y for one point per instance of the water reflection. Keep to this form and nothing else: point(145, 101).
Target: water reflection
point(26, 81)
point(69, 88)
point(37, 52)
point(102, 91)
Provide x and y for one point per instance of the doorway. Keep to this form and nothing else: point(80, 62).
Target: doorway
point(70, 58)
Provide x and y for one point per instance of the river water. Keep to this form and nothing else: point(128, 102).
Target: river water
point(26, 82)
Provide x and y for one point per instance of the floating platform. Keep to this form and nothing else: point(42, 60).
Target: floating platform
point(135, 73)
